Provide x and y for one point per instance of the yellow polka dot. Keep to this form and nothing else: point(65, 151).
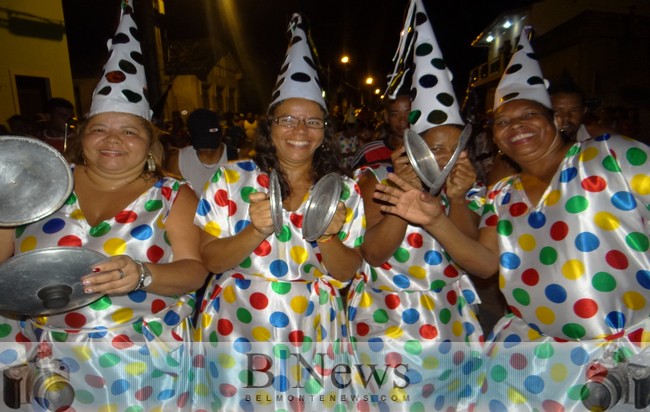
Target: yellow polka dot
point(299, 254)
point(573, 269)
point(263, 397)
point(213, 228)
point(454, 384)
point(502, 281)
point(29, 243)
point(559, 372)
point(641, 184)
point(228, 294)
point(295, 372)
point(588, 154)
point(365, 301)
point(398, 395)
point(109, 407)
point(552, 198)
point(457, 328)
point(160, 222)
point(349, 215)
point(527, 242)
point(533, 334)
point(201, 389)
point(330, 399)
point(645, 339)
point(417, 272)
point(299, 304)
point(115, 246)
point(430, 362)
point(261, 334)
point(518, 185)
point(634, 300)
point(77, 214)
point(136, 368)
point(385, 288)
point(206, 320)
point(122, 315)
point(231, 176)
point(514, 396)
point(394, 332)
point(226, 361)
point(545, 315)
point(83, 353)
point(427, 302)
point(606, 221)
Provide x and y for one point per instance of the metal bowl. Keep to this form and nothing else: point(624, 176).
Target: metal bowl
point(275, 198)
point(321, 206)
point(421, 157)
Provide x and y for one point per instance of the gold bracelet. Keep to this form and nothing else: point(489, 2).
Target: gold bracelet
point(325, 238)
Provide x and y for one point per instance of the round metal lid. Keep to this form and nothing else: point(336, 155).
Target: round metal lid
point(46, 281)
point(275, 197)
point(421, 157)
point(321, 206)
point(35, 180)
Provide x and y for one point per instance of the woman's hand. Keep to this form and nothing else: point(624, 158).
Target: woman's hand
point(407, 202)
point(260, 213)
point(403, 169)
point(461, 178)
point(337, 222)
point(118, 275)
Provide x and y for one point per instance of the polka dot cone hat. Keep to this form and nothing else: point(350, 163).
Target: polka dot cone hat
point(123, 85)
point(298, 76)
point(523, 77)
point(434, 102)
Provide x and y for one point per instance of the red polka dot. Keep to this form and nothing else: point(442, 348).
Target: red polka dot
point(518, 209)
point(363, 406)
point(126, 216)
point(518, 361)
point(296, 337)
point(392, 301)
point(458, 357)
point(386, 266)
point(452, 297)
point(259, 300)
point(261, 362)
point(585, 308)
point(166, 192)
point(593, 184)
point(224, 327)
point(263, 249)
point(221, 198)
point(121, 342)
point(428, 331)
point(198, 361)
point(515, 311)
point(491, 221)
point(493, 194)
point(616, 259)
point(70, 241)
point(450, 271)
point(157, 305)
point(296, 220)
point(415, 240)
point(263, 180)
point(393, 359)
point(155, 253)
point(227, 390)
point(552, 406)
point(95, 381)
point(144, 393)
point(75, 320)
point(232, 208)
point(559, 230)
point(530, 277)
point(362, 329)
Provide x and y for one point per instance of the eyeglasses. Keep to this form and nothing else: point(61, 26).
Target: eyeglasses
point(290, 121)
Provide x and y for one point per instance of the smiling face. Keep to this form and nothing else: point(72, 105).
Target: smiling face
point(442, 140)
point(296, 145)
point(116, 143)
point(569, 112)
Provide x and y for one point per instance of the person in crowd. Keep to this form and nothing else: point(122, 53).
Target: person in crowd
point(126, 349)
point(275, 288)
point(568, 236)
point(20, 125)
point(198, 162)
point(348, 141)
point(415, 292)
point(59, 116)
point(568, 102)
point(235, 135)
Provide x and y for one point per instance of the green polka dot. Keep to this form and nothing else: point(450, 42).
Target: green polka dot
point(100, 304)
point(216, 176)
point(134, 409)
point(416, 407)
point(636, 156)
point(373, 274)
point(156, 327)
point(345, 193)
point(578, 392)
point(213, 337)
point(83, 396)
point(5, 330)
point(547, 255)
point(244, 316)
point(504, 228)
point(246, 377)
point(151, 205)
point(166, 238)
point(498, 373)
point(100, 230)
point(521, 296)
point(445, 375)
point(576, 204)
point(281, 351)
point(413, 347)
point(71, 199)
point(357, 242)
point(308, 268)
point(20, 230)
point(380, 316)
point(623, 354)
point(285, 235)
point(544, 351)
point(637, 241)
point(611, 164)
point(246, 263)
point(312, 386)
point(246, 193)
point(574, 331)
point(170, 361)
point(445, 315)
point(401, 255)
point(437, 285)
point(137, 326)
point(572, 152)
point(108, 360)
point(340, 408)
point(488, 208)
point(158, 373)
point(60, 336)
point(323, 297)
point(281, 288)
point(603, 282)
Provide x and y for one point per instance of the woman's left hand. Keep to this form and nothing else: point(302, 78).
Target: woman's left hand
point(118, 275)
point(462, 177)
point(337, 222)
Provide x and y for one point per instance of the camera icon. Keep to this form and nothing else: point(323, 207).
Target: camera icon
point(44, 381)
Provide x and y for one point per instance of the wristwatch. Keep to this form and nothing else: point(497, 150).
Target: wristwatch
point(145, 276)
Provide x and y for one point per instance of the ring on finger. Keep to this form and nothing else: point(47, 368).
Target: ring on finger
point(122, 274)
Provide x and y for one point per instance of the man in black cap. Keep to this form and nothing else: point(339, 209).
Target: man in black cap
point(197, 163)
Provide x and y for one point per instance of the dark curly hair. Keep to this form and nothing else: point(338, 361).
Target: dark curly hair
point(326, 159)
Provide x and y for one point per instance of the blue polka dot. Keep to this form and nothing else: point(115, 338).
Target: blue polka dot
point(280, 383)
point(602, 137)
point(279, 268)
point(469, 328)
point(643, 277)
point(171, 318)
point(439, 402)
point(8, 356)
point(159, 183)
point(375, 344)
point(506, 199)
point(579, 356)
point(410, 316)
point(401, 281)
point(144, 350)
point(246, 405)
point(310, 308)
point(166, 394)
point(120, 386)
point(536, 220)
point(71, 364)
point(242, 283)
point(433, 257)
point(138, 296)
point(241, 345)
point(466, 392)
point(615, 320)
point(534, 384)
point(100, 332)
point(53, 225)
point(555, 293)
point(469, 295)
point(216, 304)
point(241, 225)
point(624, 201)
point(203, 207)
point(568, 175)
point(148, 335)
point(497, 406)
point(413, 376)
point(511, 341)
point(247, 165)
point(142, 232)
point(213, 369)
point(587, 242)
point(444, 347)
point(509, 260)
point(352, 313)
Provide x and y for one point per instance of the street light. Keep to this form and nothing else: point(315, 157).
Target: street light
point(369, 80)
point(345, 59)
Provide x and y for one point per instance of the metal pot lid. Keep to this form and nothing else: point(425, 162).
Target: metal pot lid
point(47, 281)
point(439, 181)
point(321, 206)
point(35, 180)
point(275, 197)
point(421, 157)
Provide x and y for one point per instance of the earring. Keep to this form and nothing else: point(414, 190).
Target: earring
point(151, 165)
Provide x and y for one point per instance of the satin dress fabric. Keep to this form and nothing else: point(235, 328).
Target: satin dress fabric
point(273, 327)
point(120, 351)
point(414, 317)
point(575, 271)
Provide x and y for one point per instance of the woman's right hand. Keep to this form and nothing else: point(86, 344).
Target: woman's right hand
point(408, 202)
point(402, 167)
point(260, 213)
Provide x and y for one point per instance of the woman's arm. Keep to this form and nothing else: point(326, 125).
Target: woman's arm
point(341, 261)
point(459, 182)
point(6, 243)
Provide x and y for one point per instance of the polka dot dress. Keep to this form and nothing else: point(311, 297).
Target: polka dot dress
point(417, 310)
point(574, 268)
point(277, 304)
point(123, 352)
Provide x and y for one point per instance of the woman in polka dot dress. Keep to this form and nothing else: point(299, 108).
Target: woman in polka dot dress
point(276, 304)
point(128, 348)
point(569, 237)
point(416, 307)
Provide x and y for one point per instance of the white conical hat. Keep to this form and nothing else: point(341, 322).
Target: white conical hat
point(434, 102)
point(298, 76)
point(523, 77)
point(123, 85)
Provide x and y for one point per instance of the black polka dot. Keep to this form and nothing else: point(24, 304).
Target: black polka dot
point(446, 99)
point(128, 9)
point(532, 56)
point(437, 117)
point(420, 18)
point(428, 81)
point(519, 47)
point(137, 57)
point(309, 62)
point(276, 94)
point(294, 40)
point(414, 116)
point(279, 83)
point(301, 77)
point(120, 38)
point(105, 91)
point(438, 63)
point(509, 96)
point(423, 49)
point(513, 69)
point(127, 66)
point(413, 93)
point(535, 80)
point(132, 96)
point(135, 33)
point(283, 69)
